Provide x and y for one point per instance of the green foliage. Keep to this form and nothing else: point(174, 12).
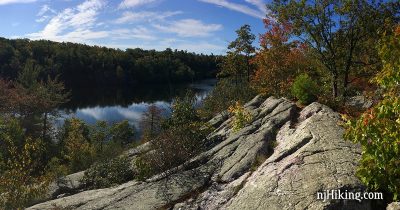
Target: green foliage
point(22, 175)
point(339, 33)
point(122, 133)
point(143, 168)
point(109, 173)
point(224, 95)
point(182, 137)
point(241, 117)
point(82, 65)
point(183, 111)
point(240, 51)
point(305, 89)
point(378, 129)
point(77, 149)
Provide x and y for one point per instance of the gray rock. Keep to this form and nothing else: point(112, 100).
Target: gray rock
point(311, 158)
point(243, 170)
point(359, 101)
point(393, 206)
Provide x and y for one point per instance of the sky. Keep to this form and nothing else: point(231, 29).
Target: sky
point(201, 26)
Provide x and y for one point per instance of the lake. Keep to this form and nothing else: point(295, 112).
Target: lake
point(118, 104)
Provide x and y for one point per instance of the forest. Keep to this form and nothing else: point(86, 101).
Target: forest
point(79, 65)
point(325, 51)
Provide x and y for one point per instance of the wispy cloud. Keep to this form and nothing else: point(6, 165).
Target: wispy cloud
point(43, 13)
point(139, 32)
point(73, 24)
point(260, 4)
point(132, 17)
point(260, 12)
point(44, 9)
point(4, 2)
point(189, 28)
point(125, 4)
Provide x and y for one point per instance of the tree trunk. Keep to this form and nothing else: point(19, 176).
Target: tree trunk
point(44, 126)
point(248, 68)
point(345, 83)
point(334, 85)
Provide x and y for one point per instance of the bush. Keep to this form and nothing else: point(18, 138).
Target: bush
point(78, 151)
point(241, 116)
point(102, 175)
point(377, 130)
point(143, 168)
point(22, 175)
point(183, 136)
point(122, 133)
point(225, 94)
point(304, 89)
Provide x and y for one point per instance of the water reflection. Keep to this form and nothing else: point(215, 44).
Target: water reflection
point(115, 105)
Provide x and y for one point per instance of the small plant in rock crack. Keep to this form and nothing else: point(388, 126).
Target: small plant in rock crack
point(241, 116)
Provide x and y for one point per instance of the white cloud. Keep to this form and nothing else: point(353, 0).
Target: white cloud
point(73, 24)
point(196, 46)
point(202, 47)
point(42, 14)
point(125, 4)
point(260, 12)
point(260, 4)
point(44, 9)
point(4, 2)
point(130, 17)
point(42, 19)
point(189, 28)
point(139, 32)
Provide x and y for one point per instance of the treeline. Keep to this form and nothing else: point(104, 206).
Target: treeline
point(80, 65)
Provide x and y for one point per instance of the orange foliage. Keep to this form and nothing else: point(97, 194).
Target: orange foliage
point(279, 60)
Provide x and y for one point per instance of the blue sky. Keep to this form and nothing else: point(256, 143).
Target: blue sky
point(203, 26)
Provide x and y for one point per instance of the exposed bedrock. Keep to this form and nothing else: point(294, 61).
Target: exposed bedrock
point(278, 161)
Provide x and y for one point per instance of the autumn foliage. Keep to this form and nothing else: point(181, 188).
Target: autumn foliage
point(378, 129)
point(279, 60)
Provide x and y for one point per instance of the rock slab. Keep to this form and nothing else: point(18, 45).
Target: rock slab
point(278, 161)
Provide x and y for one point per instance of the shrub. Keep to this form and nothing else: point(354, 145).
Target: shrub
point(304, 89)
point(143, 168)
point(183, 136)
point(122, 133)
point(77, 150)
point(102, 175)
point(241, 116)
point(225, 94)
point(378, 129)
point(22, 177)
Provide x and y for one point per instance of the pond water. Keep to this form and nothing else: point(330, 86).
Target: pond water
point(118, 104)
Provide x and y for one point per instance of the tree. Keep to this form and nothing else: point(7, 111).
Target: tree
point(122, 133)
point(22, 172)
point(77, 150)
point(377, 130)
point(336, 30)
point(40, 98)
point(279, 60)
point(243, 45)
point(91, 66)
point(100, 134)
point(150, 122)
point(183, 136)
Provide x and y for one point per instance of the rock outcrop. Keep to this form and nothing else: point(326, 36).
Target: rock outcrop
point(278, 161)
